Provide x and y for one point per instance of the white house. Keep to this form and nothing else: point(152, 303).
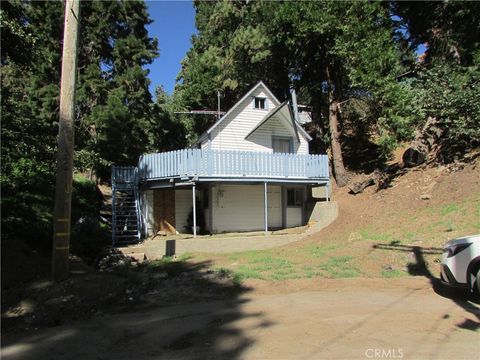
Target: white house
point(250, 171)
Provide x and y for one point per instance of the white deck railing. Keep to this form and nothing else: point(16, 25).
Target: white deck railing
point(216, 163)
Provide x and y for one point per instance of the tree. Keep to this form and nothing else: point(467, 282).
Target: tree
point(15, 35)
point(449, 29)
point(332, 51)
point(447, 78)
point(112, 95)
point(117, 114)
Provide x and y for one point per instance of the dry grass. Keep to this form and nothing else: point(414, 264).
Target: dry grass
point(391, 233)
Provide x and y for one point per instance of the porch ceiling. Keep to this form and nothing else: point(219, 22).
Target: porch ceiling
point(182, 182)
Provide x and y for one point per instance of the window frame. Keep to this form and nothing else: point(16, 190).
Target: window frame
point(290, 140)
point(298, 197)
point(261, 100)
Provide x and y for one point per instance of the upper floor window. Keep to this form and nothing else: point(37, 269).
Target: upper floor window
point(282, 145)
point(260, 103)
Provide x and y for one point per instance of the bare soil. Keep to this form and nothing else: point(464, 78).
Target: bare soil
point(298, 319)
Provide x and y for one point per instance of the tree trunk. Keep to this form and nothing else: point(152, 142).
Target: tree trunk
point(337, 158)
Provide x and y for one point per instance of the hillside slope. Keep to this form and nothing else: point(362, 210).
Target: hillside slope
point(387, 233)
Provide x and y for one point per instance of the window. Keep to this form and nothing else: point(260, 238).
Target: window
point(294, 197)
point(259, 103)
point(282, 145)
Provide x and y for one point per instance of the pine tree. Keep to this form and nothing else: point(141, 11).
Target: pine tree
point(332, 51)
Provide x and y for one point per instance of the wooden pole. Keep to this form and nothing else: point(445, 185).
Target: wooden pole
point(66, 129)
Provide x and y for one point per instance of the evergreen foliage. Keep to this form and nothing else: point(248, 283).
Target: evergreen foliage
point(115, 115)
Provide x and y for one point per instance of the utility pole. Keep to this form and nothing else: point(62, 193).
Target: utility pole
point(66, 131)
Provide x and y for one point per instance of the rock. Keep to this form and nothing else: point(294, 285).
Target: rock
point(414, 156)
point(425, 197)
point(361, 185)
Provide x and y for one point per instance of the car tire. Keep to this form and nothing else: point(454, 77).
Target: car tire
point(477, 282)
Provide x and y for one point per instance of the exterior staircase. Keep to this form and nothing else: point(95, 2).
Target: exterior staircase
point(126, 215)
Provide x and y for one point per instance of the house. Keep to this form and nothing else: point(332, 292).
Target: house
point(250, 171)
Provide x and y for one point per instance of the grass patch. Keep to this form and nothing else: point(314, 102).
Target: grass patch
point(342, 256)
point(283, 275)
point(389, 274)
point(448, 209)
point(343, 273)
point(339, 267)
point(320, 250)
point(367, 234)
point(244, 272)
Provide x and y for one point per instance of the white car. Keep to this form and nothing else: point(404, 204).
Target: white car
point(461, 263)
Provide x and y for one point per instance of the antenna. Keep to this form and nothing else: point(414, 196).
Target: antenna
point(217, 112)
point(218, 104)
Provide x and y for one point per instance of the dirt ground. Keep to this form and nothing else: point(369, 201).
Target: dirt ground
point(298, 319)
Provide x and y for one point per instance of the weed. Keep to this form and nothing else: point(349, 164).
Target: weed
point(392, 273)
point(377, 237)
point(283, 275)
point(320, 250)
point(339, 267)
point(448, 209)
point(449, 226)
point(244, 272)
point(343, 273)
point(224, 271)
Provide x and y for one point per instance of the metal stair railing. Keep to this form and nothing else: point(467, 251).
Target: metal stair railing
point(125, 197)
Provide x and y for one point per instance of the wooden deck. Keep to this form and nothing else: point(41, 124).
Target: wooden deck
point(214, 164)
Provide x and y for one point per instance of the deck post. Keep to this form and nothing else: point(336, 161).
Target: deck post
point(265, 204)
point(194, 200)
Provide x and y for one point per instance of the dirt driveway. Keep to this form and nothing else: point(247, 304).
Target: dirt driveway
point(305, 319)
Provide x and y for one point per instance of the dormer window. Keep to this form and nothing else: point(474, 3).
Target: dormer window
point(259, 103)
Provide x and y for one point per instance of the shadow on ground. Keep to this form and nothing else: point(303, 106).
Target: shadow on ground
point(163, 309)
point(462, 298)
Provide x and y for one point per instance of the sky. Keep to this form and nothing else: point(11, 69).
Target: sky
point(173, 25)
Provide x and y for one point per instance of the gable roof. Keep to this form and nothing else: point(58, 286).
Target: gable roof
point(271, 113)
point(248, 94)
point(295, 125)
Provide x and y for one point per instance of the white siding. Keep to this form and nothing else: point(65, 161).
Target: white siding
point(183, 206)
point(294, 216)
point(261, 139)
point(240, 207)
point(231, 133)
point(147, 210)
point(274, 206)
point(204, 145)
